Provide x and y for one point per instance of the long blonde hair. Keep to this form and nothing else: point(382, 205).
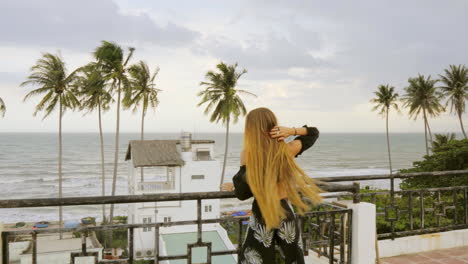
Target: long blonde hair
point(269, 163)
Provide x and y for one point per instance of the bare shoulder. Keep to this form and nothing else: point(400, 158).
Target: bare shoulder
point(242, 158)
point(294, 147)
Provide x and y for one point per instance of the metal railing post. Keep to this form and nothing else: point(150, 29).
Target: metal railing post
point(156, 244)
point(421, 208)
point(199, 218)
point(331, 238)
point(239, 241)
point(83, 243)
point(130, 245)
point(356, 191)
point(34, 248)
point(350, 235)
point(465, 206)
point(5, 249)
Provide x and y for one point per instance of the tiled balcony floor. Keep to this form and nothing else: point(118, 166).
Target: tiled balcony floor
point(458, 255)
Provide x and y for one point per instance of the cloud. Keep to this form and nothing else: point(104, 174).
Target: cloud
point(298, 47)
point(348, 47)
point(305, 59)
point(82, 24)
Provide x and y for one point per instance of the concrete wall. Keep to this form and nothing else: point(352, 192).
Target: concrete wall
point(208, 146)
point(225, 237)
point(363, 235)
point(420, 243)
point(314, 258)
point(16, 248)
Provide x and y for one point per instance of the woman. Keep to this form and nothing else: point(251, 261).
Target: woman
point(269, 173)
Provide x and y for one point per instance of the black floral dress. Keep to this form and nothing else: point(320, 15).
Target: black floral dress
point(258, 246)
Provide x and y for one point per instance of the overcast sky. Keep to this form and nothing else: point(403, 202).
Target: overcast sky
point(311, 62)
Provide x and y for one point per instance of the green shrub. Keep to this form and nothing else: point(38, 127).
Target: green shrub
point(450, 156)
point(119, 238)
point(402, 202)
point(121, 219)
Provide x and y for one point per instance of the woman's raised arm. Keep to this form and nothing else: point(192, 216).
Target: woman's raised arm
point(306, 137)
point(303, 142)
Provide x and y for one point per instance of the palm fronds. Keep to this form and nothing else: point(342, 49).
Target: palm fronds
point(143, 91)
point(221, 95)
point(2, 107)
point(386, 98)
point(423, 95)
point(455, 89)
point(442, 140)
point(423, 98)
point(93, 89)
point(50, 74)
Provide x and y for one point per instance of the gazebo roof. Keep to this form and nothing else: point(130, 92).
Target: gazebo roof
point(149, 153)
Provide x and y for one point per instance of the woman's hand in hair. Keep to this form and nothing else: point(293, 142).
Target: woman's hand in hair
point(281, 132)
point(227, 187)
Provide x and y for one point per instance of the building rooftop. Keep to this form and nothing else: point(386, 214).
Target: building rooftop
point(48, 244)
point(149, 153)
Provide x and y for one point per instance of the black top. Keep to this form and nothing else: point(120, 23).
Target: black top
point(241, 187)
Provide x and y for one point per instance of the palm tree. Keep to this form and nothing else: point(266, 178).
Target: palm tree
point(2, 107)
point(423, 97)
point(143, 92)
point(442, 140)
point(111, 62)
point(94, 95)
point(222, 95)
point(386, 98)
point(50, 74)
point(455, 89)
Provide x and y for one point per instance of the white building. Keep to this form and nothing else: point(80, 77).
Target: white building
point(175, 166)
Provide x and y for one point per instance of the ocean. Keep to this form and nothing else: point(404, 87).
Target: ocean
point(28, 164)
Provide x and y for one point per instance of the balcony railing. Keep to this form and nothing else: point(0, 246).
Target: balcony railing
point(152, 187)
point(415, 211)
point(327, 229)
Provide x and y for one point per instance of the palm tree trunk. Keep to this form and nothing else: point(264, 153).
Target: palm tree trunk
point(142, 124)
point(60, 165)
point(142, 137)
point(388, 145)
point(430, 132)
point(116, 154)
point(431, 141)
point(103, 171)
point(461, 123)
point(225, 150)
point(392, 182)
point(425, 131)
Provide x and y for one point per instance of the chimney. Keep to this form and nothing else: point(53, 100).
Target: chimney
point(186, 141)
point(186, 146)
